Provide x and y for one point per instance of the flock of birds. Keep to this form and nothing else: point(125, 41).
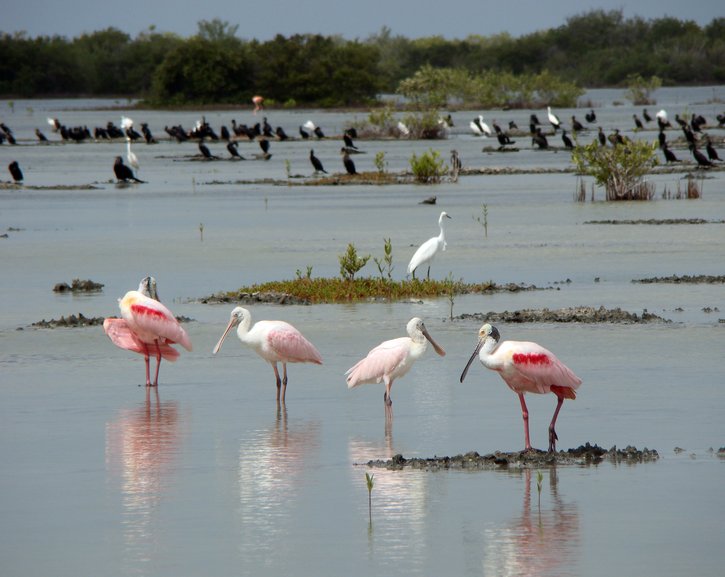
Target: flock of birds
point(149, 328)
point(692, 130)
point(263, 133)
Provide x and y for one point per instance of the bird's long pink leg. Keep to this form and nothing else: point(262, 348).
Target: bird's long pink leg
point(146, 360)
point(525, 415)
point(386, 396)
point(276, 376)
point(158, 364)
point(284, 381)
point(553, 438)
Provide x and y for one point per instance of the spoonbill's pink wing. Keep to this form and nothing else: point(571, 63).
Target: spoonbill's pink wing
point(540, 366)
point(147, 316)
point(123, 337)
point(381, 361)
point(292, 346)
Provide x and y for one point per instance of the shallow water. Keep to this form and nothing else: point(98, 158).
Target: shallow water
point(208, 476)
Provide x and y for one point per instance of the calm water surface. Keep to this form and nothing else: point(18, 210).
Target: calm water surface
point(207, 476)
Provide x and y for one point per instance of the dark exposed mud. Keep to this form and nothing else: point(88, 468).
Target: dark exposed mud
point(657, 221)
point(566, 315)
point(583, 455)
point(78, 286)
point(80, 320)
point(686, 279)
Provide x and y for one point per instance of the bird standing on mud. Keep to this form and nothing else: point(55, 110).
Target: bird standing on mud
point(526, 368)
point(429, 249)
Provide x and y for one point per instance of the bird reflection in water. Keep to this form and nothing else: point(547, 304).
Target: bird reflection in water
point(141, 449)
point(398, 531)
point(273, 464)
point(540, 541)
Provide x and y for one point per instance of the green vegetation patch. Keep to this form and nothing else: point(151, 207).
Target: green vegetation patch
point(337, 290)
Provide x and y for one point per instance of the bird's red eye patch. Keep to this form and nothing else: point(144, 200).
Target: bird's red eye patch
point(531, 359)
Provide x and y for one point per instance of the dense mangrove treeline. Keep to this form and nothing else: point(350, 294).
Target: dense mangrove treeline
point(593, 49)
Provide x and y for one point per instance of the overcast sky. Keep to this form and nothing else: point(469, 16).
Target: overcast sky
point(350, 18)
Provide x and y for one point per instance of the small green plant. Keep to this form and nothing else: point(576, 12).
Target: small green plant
point(639, 89)
point(370, 484)
point(385, 265)
point(350, 263)
point(288, 167)
point(380, 163)
point(619, 169)
point(201, 231)
point(539, 483)
point(483, 219)
point(429, 167)
point(307, 275)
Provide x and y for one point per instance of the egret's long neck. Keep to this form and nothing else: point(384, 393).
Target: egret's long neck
point(442, 235)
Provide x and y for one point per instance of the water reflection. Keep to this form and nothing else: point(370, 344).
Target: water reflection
point(272, 465)
point(539, 541)
point(397, 533)
point(142, 444)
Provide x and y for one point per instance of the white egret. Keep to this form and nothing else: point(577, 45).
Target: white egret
point(427, 251)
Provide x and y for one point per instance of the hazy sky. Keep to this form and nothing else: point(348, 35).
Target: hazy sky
point(349, 18)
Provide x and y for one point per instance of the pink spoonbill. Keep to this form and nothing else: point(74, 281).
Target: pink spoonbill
point(274, 341)
point(147, 327)
point(392, 359)
point(527, 368)
point(258, 103)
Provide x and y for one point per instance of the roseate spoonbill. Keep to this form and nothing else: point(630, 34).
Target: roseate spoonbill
point(553, 118)
point(258, 103)
point(147, 327)
point(428, 250)
point(123, 173)
point(392, 359)
point(274, 341)
point(527, 368)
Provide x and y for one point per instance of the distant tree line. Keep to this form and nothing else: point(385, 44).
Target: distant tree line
point(594, 49)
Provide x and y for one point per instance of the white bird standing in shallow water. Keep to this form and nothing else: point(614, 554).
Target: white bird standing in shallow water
point(392, 359)
point(274, 341)
point(526, 368)
point(555, 122)
point(428, 250)
point(130, 156)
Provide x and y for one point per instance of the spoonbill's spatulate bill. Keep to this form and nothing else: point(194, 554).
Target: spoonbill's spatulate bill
point(527, 368)
point(274, 341)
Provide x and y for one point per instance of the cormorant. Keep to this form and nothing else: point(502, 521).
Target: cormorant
point(347, 161)
point(711, 152)
point(205, 151)
point(15, 171)
point(123, 173)
point(566, 140)
point(591, 116)
point(700, 157)
point(669, 155)
point(40, 135)
point(539, 140)
point(232, 148)
point(316, 162)
point(576, 126)
point(602, 137)
point(637, 123)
